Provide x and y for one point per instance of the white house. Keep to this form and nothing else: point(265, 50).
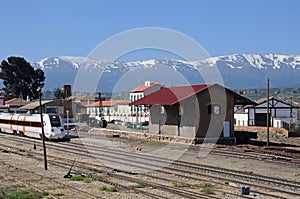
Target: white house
point(282, 114)
point(140, 92)
point(111, 110)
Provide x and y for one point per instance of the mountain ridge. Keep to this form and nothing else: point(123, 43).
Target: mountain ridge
point(237, 70)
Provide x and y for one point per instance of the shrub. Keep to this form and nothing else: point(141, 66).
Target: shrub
point(81, 178)
point(87, 180)
point(26, 194)
point(30, 155)
point(109, 189)
point(208, 191)
point(77, 178)
point(140, 185)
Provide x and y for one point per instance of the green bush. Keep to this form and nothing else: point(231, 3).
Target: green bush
point(208, 191)
point(81, 178)
point(87, 180)
point(77, 178)
point(25, 194)
point(140, 185)
point(30, 155)
point(109, 189)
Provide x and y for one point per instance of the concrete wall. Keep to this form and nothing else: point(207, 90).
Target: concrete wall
point(211, 125)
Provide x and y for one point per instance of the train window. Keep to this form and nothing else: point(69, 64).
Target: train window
point(55, 121)
point(25, 123)
point(4, 121)
point(35, 124)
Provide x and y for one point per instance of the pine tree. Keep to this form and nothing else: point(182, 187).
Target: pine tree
point(20, 79)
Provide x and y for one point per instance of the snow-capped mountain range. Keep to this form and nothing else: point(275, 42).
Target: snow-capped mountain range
point(237, 71)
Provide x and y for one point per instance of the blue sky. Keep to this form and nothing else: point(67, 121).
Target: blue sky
point(38, 29)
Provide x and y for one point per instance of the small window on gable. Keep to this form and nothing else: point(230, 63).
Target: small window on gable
point(181, 110)
point(162, 110)
point(214, 109)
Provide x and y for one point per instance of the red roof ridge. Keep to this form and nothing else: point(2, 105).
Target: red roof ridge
point(171, 95)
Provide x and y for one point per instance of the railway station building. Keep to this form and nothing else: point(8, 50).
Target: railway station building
point(196, 111)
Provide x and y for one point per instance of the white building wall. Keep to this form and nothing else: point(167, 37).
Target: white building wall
point(241, 119)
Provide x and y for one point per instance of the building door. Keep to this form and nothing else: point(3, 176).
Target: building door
point(261, 119)
point(226, 129)
point(180, 131)
point(160, 126)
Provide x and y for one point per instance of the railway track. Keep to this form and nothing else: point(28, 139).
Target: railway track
point(82, 169)
point(65, 163)
point(278, 158)
point(192, 169)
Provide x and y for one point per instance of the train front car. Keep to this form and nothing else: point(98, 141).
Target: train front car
point(53, 126)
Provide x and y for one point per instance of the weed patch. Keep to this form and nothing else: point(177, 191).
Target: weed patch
point(30, 155)
point(179, 184)
point(22, 194)
point(140, 185)
point(208, 191)
point(109, 189)
point(81, 178)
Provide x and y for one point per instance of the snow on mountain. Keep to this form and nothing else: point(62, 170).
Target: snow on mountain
point(238, 70)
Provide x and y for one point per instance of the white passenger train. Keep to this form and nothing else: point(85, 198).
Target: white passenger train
point(30, 125)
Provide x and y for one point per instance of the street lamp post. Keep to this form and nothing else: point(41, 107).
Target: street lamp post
point(43, 133)
point(268, 112)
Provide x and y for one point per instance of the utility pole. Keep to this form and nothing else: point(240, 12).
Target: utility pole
point(42, 126)
point(268, 114)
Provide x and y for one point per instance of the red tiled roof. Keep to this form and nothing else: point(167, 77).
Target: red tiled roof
point(17, 101)
point(144, 87)
point(171, 95)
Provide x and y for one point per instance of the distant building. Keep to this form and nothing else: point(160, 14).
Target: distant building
point(62, 107)
point(281, 114)
point(111, 110)
point(14, 104)
point(79, 105)
point(190, 111)
point(140, 92)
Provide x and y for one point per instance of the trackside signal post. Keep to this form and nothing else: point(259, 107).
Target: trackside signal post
point(42, 126)
point(102, 121)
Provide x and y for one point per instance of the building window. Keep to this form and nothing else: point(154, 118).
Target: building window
point(162, 110)
point(214, 109)
point(181, 110)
